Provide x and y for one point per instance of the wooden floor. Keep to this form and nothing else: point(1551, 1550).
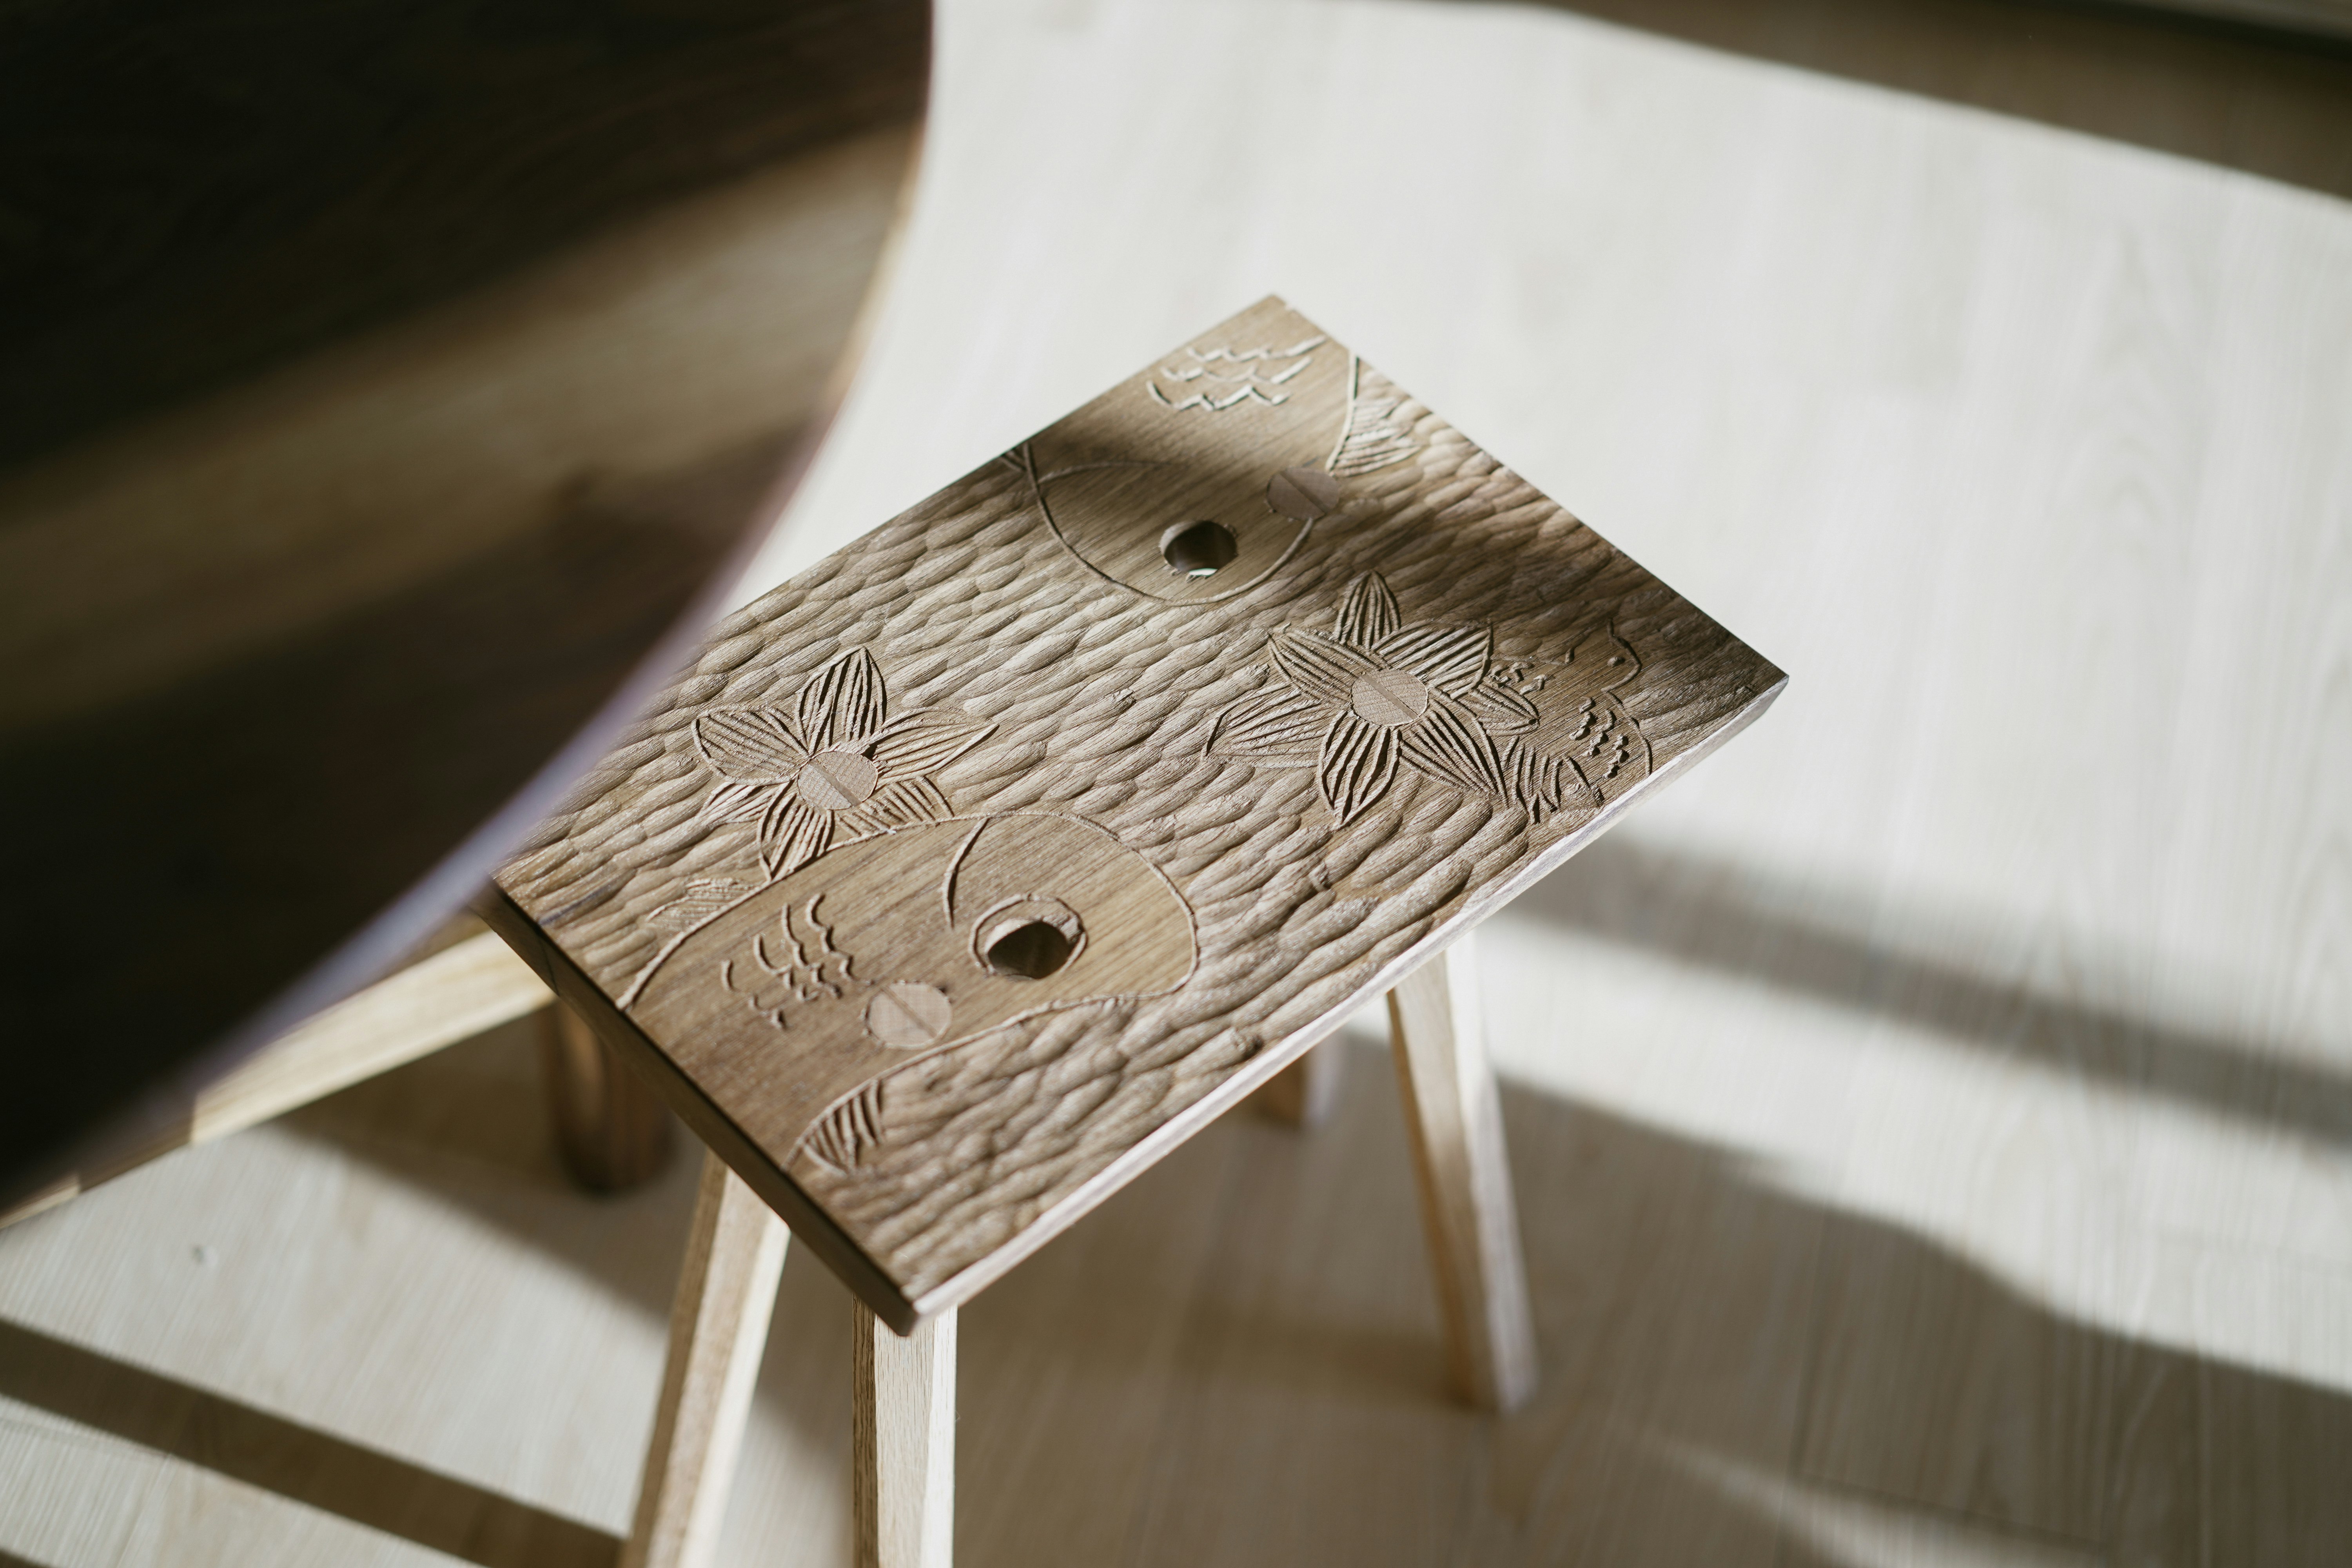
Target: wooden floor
point(1932, 1119)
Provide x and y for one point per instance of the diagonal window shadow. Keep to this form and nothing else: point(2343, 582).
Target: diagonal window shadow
point(1719, 916)
point(363, 1485)
point(2272, 103)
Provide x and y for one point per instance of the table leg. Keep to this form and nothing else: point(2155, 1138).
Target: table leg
point(1456, 1123)
point(1302, 1094)
point(613, 1131)
point(904, 1426)
point(717, 1328)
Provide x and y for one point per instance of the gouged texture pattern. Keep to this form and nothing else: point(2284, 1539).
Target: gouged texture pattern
point(1102, 702)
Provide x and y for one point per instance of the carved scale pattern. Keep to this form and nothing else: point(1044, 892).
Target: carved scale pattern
point(1103, 704)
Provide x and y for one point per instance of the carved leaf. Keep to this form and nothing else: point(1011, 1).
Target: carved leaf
point(1370, 613)
point(845, 1132)
point(1276, 725)
point(1358, 764)
point(1447, 741)
point(1374, 437)
point(925, 741)
point(704, 897)
point(1500, 712)
point(1540, 781)
point(842, 704)
point(791, 834)
point(1323, 669)
point(1451, 659)
point(750, 745)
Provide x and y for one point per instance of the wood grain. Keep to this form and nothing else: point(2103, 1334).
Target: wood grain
point(1455, 1122)
point(725, 1289)
point(903, 1441)
point(1236, 803)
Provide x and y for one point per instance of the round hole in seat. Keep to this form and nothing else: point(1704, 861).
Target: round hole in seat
point(1198, 549)
point(1032, 949)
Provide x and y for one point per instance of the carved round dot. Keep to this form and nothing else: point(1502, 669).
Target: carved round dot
point(1032, 950)
point(835, 781)
point(909, 1014)
point(1198, 549)
point(1302, 493)
point(1389, 697)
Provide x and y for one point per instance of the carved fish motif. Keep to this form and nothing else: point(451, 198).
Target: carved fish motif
point(1149, 488)
point(878, 952)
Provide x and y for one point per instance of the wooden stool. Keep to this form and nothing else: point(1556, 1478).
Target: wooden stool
point(974, 869)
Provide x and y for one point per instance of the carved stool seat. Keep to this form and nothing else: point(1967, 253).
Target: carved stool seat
point(973, 869)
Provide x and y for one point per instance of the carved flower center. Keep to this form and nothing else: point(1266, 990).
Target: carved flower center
point(835, 781)
point(1389, 697)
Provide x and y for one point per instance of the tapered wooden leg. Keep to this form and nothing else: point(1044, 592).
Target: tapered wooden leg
point(613, 1131)
point(1456, 1118)
point(1302, 1094)
point(903, 1428)
point(717, 1327)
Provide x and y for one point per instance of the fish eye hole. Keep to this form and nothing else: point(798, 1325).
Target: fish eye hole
point(1031, 949)
point(1198, 549)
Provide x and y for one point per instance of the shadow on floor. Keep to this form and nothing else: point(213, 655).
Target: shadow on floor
point(1719, 916)
point(1235, 1361)
point(235, 1439)
point(1699, 1326)
point(2270, 103)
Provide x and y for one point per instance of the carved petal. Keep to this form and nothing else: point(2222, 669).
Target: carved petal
point(842, 704)
point(793, 834)
point(925, 741)
point(1276, 725)
point(1447, 741)
point(902, 803)
point(736, 802)
point(1371, 612)
point(1500, 712)
point(750, 745)
point(1324, 670)
point(1450, 658)
point(1358, 765)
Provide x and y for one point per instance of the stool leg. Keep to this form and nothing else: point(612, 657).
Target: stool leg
point(1456, 1118)
point(717, 1328)
point(611, 1130)
point(904, 1427)
point(1302, 1094)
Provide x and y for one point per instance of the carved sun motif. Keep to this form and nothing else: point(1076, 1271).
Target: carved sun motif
point(836, 764)
point(1375, 694)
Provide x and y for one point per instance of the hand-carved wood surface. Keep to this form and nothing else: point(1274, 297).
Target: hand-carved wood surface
point(969, 870)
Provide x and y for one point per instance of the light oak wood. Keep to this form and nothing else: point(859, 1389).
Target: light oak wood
point(1454, 1118)
point(612, 1130)
point(474, 984)
point(1017, 782)
point(903, 1441)
point(726, 1291)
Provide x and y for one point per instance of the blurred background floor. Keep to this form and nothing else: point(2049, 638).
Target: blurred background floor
point(1932, 1119)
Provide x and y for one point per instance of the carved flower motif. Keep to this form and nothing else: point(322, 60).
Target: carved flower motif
point(1374, 694)
point(836, 762)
